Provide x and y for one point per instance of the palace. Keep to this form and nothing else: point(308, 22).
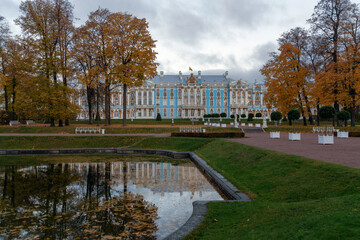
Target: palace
point(186, 96)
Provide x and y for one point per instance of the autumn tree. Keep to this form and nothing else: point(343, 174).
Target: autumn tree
point(328, 20)
point(286, 80)
point(89, 72)
point(134, 55)
point(4, 36)
point(48, 24)
point(124, 52)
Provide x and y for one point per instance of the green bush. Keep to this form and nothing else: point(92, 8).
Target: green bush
point(216, 115)
point(343, 115)
point(232, 116)
point(250, 116)
point(276, 116)
point(223, 115)
point(326, 112)
point(158, 117)
point(243, 115)
point(293, 114)
point(258, 115)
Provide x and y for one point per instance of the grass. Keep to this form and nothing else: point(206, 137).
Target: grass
point(35, 142)
point(294, 197)
point(112, 129)
point(177, 144)
point(46, 159)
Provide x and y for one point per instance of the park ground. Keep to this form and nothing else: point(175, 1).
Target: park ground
point(293, 197)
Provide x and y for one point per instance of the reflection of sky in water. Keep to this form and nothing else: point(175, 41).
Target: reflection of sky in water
point(172, 188)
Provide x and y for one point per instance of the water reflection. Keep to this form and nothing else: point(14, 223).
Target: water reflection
point(127, 200)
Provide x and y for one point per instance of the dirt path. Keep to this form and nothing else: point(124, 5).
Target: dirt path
point(344, 151)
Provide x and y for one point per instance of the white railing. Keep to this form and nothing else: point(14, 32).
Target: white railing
point(191, 129)
point(89, 130)
point(324, 129)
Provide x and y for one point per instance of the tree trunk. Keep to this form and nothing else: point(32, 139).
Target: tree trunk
point(61, 123)
point(52, 122)
point(337, 107)
point(304, 120)
point(97, 106)
point(290, 123)
point(352, 111)
point(6, 99)
point(89, 100)
point(107, 104)
point(124, 103)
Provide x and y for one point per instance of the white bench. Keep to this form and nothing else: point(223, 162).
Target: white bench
point(29, 122)
point(89, 130)
point(14, 123)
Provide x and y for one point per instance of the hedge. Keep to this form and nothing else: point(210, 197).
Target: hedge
point(209, 134)
point(354, 134)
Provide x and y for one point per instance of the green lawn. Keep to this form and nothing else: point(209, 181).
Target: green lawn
point(293, 197)
point(67, 142)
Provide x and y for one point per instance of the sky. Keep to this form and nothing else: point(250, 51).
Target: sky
point(213, 36)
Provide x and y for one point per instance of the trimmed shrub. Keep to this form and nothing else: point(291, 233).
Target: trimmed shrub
point(250, 116)
point(293, 114)
point(243, 115)
point(258, 115)
point(354, 134)
point(209, 134)
point(232, 116)
point(327, 112)
point(276, 116)
point(158, 117)
point(216, 115)
point(223, 115)
point(343, 116)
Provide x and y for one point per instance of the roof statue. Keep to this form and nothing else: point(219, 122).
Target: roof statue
point(191, 79)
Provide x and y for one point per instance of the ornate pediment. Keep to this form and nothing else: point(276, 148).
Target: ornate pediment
point(191, 79)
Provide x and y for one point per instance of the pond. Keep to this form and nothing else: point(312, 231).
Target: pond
point(123, 200)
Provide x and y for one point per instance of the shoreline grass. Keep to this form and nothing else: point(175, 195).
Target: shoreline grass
point(44, 142)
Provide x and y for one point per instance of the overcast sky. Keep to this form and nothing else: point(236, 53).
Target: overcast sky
point(213, 36)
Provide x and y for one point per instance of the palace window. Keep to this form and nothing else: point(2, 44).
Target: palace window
point(171, 112)
point(172, 94)
point(150, 98)
point(145, 98)
point(132, 99)
point(218, 98)
point(139, 98)
point(165, 112)
point(211, 99)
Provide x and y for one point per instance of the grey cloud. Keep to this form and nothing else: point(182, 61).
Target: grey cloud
point(261, 52)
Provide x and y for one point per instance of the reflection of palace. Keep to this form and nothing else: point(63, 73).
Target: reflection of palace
point(159, 177)
point(184, 96)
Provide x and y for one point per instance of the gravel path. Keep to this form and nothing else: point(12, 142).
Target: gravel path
point(344, 151)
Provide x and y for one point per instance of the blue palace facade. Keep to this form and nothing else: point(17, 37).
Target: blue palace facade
point(186, 96)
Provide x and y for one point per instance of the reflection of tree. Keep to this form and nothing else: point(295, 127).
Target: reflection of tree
point(48, 202)
point(128, 216)
point(35, 202)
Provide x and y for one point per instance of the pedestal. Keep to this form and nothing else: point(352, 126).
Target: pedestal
point(274, 134)
point(294, 136)
point(324, 139)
